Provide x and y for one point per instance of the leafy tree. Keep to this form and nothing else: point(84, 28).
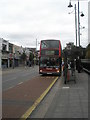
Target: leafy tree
point(31, 56)
point(88, 52)
point(74, 52)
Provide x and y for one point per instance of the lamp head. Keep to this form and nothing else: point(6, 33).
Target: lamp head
point(70, 5)
point(82, 15)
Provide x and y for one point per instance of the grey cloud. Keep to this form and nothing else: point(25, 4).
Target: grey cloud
point(26, 20)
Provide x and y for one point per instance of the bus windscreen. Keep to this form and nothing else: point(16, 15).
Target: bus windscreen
point(49, 44)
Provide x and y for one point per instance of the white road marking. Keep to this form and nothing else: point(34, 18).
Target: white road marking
point(65, 87)
point(10, 87)
point(14, 86)
point(20, 83)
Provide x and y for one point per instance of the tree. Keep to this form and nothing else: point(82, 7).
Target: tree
point(78, 51)
point(74, 52)
point(31, 56)
point(88, 52)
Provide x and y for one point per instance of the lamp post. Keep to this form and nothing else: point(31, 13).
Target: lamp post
point(36, 44)
point(76, 21)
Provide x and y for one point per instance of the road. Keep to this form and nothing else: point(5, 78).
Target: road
point(12, 77)
point(22, 88)
point(29, 88)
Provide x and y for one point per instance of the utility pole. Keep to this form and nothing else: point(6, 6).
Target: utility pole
point(70, 5)
point(36, 44)
point(76, 24)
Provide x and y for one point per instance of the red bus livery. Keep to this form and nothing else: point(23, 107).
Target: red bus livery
point(50, 58)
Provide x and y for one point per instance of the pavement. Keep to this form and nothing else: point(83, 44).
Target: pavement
point(65, 100)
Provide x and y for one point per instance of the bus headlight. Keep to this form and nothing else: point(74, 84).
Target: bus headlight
point(58, 71)
point(40, 70)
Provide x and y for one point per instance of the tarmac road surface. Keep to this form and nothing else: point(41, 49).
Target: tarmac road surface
point(18, 99)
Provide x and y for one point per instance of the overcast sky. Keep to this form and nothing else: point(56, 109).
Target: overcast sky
point(24, 21)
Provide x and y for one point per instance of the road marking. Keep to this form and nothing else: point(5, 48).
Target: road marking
point(20, 83)
point(32, 108)
point(10, 87)
point(65, 87)
point(14, 86)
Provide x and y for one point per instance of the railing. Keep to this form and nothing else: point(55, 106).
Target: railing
point(85, 61)
point(86, 64)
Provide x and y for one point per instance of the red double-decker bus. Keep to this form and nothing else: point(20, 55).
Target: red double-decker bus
point(50, 58)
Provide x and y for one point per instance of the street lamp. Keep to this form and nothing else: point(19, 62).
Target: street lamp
point(75, 20)
point(70, 4)
point(78, 21)
point(82, 15)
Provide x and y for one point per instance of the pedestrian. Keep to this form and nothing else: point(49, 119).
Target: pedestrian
point(25, 63)
point(29, 63)
point(65, 66)
point(65, 71)
point(72, 65)
point(76, 63)
point(62, 65)
point(13, 63)
point(33, 63)
point(79, 66)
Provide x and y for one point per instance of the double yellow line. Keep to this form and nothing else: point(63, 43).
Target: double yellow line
point(30, 110)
